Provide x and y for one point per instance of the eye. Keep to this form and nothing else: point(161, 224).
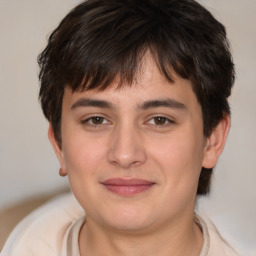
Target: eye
point(160, 121)
point(95, 121)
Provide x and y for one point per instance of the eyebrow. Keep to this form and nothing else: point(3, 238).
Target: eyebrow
point(84, 102)
point(169, 103)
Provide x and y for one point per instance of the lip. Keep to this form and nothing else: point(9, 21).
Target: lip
point(127, 187)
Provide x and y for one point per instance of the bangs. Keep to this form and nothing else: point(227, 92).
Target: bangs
point(124, 70)
point(123, 67)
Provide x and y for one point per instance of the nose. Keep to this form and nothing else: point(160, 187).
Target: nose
point(126, 148)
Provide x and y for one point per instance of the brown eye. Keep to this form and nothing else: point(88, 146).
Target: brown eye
point(160, 120)
point(97, 120)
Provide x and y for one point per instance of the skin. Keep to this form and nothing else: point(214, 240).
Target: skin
point(131, 138)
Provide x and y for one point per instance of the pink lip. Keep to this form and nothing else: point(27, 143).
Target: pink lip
point(127, 187)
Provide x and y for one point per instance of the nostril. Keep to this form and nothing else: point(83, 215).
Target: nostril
point(126, 159)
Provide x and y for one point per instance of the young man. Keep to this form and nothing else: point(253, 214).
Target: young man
point(136, 96)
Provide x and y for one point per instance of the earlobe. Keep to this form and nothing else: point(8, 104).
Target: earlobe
point(215, 143)
point(58, 151)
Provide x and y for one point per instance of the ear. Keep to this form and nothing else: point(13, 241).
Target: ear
point(215, 143)
point(57, 149)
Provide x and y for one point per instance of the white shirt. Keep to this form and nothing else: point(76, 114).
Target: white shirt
point(53, 230)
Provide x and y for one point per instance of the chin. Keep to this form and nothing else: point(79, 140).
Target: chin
point(129, 219)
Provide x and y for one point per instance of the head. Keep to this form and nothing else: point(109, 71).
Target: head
point(103, 41)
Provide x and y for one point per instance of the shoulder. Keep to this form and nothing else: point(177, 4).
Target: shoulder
point(217, 244)
point(42, 232)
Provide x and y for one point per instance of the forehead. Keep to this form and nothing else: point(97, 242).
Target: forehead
point(102, 77)
point(149, 85)
point(146, 74)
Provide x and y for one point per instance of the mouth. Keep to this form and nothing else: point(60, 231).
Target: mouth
point(127, 187)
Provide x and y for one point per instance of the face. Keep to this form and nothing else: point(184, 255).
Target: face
point(133, 155)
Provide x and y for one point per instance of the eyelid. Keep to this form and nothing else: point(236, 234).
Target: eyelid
point(169, 120)
point(85, 120)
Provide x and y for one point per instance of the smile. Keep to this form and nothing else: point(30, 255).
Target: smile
point(127, 187)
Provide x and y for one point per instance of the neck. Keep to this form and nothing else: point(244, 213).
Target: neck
point(179, 238)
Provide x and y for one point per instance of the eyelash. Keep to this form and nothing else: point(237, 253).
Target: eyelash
point(90, 119)
point(163, 120)
point(166, 121)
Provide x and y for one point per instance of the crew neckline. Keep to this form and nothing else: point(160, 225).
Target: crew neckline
point(72, 236)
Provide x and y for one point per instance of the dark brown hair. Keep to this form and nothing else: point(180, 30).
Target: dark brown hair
point(100, 40)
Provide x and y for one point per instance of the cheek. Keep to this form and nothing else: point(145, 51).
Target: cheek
point(179, 156)
point(82, 154)
point(84, 159)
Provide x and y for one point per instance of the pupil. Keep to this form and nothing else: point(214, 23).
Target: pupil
point(159, 120)
point(97, 120)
